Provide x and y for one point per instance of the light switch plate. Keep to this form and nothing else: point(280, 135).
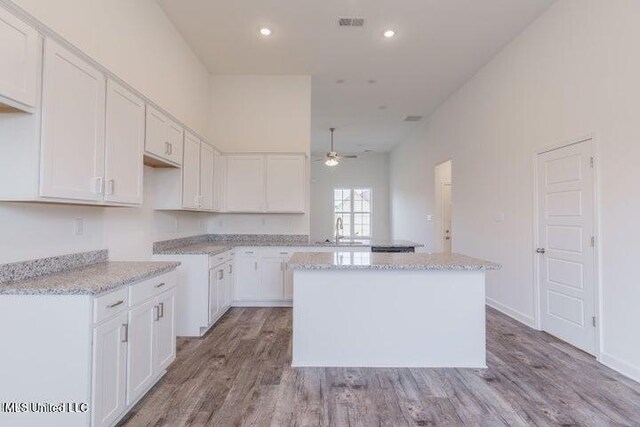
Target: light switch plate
point(499, 216)
point(78, 226)
point(429, 217)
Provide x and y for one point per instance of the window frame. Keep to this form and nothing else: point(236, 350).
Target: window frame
point(351, 213)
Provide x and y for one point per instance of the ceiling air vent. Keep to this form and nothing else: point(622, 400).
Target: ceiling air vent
point(351, 22)
point(413, 118)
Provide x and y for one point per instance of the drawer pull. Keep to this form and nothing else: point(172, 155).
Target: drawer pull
point(284, 253)
point(248, 252)
point(160, 285)
point(115, 304)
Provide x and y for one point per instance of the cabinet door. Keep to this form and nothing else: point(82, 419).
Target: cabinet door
point(156, 141)
point(214, 297)
point(165, 331)
point(109, 371)
point(288, 282)
point(219, 176)
point(206, 177)
point(191, 173)
point(140, 362)
point(229, 283)
point(245, 183)
point(19, 49)
point(124, 141)
point(286, 183)
point(221, 284)
point(271, 279)
point(247, 278)
point(73, 114)
point(175, 137)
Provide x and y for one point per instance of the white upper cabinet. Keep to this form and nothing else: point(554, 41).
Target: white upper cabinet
point(206, 177)
point(191, 173)
point(286, 179)
point(124, 145)
point(164, 137)
point(245, 183)
point(73, 117)
point(19, 51)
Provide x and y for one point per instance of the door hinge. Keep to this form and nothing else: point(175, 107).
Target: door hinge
point(593, 241)
point(593, 321)
point(592, 161)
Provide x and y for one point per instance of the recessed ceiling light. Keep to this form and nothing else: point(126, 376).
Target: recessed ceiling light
point(382, 107)
point(371, 81)
point(340, 81)
point(389, 33)
point(265, 31)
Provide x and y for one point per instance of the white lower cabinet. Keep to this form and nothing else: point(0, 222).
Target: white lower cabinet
point(101, 352)
point(205, 292)
point(247, 275)
point(261, 277)
point(109, 370)
point(271, 285)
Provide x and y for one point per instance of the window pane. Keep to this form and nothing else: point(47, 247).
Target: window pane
point(362, 225)
point(363, 196)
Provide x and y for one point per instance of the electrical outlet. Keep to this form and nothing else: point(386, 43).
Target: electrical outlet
point(264, 221)
point(78, 226)
point(429, 217)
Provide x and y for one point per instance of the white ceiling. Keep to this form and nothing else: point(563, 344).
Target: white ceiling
point(439, 44)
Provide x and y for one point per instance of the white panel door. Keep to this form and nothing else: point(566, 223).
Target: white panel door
point(124, 141)
point(109, 371)
point(214, 296)
point(175, 138)
point(246, 278)
point(446, 216)
point(19, 50)
point(271, 279)
point(140, 360)
point(156, 141)
point(245, 190)
point(191, 173)
point(73, 115)
point(206, 177)
point(165, 331)
point(566, 226)
point(286, 183)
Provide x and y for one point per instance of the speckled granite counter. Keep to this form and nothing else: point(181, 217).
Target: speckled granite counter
point(387, 261)
point(90, 280)
point(200, 245)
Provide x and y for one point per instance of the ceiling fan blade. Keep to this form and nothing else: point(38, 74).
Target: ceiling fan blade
point(348, 156)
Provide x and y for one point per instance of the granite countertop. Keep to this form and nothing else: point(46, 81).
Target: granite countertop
point(218, 246)
point(89, 280)
point(387, 261)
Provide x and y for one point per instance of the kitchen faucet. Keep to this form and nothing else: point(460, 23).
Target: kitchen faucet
point(338, 228)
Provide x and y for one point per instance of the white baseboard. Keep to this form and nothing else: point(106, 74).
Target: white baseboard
point(515, 314)
point(283, 303)
point(621, 366)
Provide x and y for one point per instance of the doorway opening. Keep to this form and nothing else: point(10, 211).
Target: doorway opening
point(566, 261)
point(443, 206)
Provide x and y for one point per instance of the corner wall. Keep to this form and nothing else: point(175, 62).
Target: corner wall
point(573, 72)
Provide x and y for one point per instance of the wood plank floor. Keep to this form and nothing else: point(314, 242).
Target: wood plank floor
point(239, 374)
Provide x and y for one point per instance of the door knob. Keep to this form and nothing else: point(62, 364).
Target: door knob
point(540, 250)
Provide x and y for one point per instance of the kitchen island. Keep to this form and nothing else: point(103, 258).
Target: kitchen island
point(362, 309)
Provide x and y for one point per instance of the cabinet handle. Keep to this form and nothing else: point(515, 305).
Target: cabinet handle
point(157, 310)
point(161, 310)
point(99, 185)
point(111, 186)
point(284, 253)
point(256, 265)
point(160, 285)
point(220, 274)
point(115, 304)
point(248, 252)
point(166, 148)
point(170, 148)
point(230, 268)
point(126, 332)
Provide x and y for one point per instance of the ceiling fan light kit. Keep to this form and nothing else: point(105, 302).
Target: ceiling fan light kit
point(332, 157)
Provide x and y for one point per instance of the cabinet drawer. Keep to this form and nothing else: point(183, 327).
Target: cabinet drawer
point(278, 252)
point(148, 289)
point(110, 304)
point(221, 258)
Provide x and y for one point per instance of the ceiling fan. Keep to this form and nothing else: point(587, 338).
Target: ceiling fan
point(332, 158)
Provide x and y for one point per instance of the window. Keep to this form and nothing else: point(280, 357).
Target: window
point(353, 205)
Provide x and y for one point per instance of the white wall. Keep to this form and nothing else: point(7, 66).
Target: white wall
point(137, 42)
point(573, 72)
point(368, 171)
point(261, 114)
